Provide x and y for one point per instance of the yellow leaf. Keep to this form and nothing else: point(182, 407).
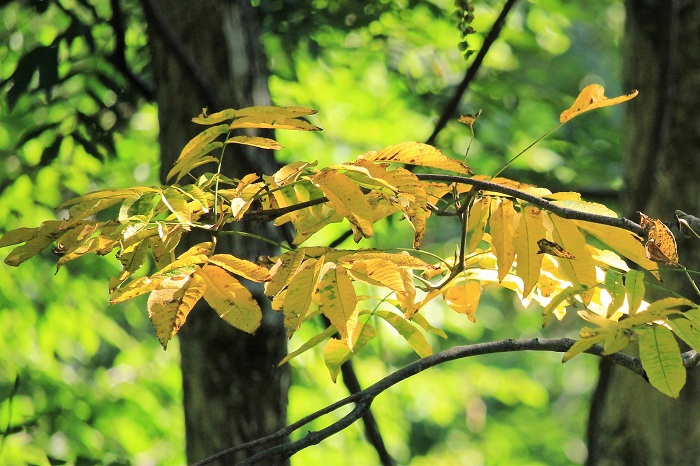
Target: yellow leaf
point(273, 117)
point(299, 293)
point(42, 236)
point(339, 302)
point(401, 259)
point(231, 300)
point(561, 300)
point(502, 233)
point(464, 298)
point(407, 299)
point(337, 352)
point(176, 203)
point(197, 254)
point(476, 224)
point(283, 271)
point(107, 194)
point(590, 98)
point(196, 150)
point(346, 197)
point(168, 308)
point(416, 153)
point(661, 360)
point(580, 270)
point(530, 229)
point(469, 120)
point(255, 141)
point(582, 345)
point(136, 287)
point(378, 272)
point(242, 267)
point(624, 242)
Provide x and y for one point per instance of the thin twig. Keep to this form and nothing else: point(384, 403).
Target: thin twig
point(364, 398)
point(452, 105)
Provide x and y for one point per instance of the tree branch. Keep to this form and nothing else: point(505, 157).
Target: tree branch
point(452, 105)
point(364, 398)
point(572, 214)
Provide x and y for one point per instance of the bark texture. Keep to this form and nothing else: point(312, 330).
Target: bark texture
point(631, 423)
point(208, 54)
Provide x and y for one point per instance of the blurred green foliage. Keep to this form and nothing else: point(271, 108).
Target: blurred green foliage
point(93, 387)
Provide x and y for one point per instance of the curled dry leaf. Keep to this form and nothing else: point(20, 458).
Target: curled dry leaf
point(554, 249)
point(661, 244)
point(590, 98)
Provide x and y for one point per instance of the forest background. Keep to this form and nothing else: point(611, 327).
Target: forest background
point(85, 382)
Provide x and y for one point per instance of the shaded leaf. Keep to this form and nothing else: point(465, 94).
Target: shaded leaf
point(616, 288)
point(661, 244)
point(634, 287)
point(408, 330)
point(687, 331)
point(661, 360)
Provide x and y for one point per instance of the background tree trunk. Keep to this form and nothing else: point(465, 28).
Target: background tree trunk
point(631, 423)
point(208, 53)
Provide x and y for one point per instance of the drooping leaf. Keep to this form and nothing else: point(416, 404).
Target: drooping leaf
point(313, 341)
point(661, 360)
point(421, 320)
point(230, 299)
point(464, 298)
point(529, 262)
point(502, 233)
point(408, 330)
point(347, 198)
point(553, 249)
point(168, 308)
point(687, 331)
point(299, 293)
point(416, 153)
point(339, 302)
point(616, 288)
point(41, 237)
point(242, 267)
point(580, 270)
point(622, 241)
point(590, 98)
point(336, 352)
point(283, 271)
point(476, 223)
point(634, 287)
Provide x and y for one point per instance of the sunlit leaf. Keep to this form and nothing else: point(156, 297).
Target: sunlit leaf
point(230, 299)
point(580, 270)
point(242, 267)
point(529, 262)
point(562, 298)
point(377, 272)
point(346, 197)
point(502, 233)
point(298, 298)
point(41, 237)
point(177, 204)
point(283, 271)
point(339, 302)
point(196, 150)
point(657, 311)
point(416, 153)
point(476, 224)
point(661, 360)
point(464, 298)
point(421, 320)
point(168, 308)
point(590, 98)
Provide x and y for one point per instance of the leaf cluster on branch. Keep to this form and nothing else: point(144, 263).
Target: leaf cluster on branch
point(518, 236)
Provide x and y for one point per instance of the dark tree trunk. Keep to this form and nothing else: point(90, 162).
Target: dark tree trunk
point(207, 53)
point(631, 423)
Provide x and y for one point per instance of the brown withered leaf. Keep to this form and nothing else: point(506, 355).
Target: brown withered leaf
point(661, 244)
point(554, 249)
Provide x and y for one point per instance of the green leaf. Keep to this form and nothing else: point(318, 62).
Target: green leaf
point(634, 287)
point(566, 293)
point(313, 341)
point(614, 285)
point(408, 330)
point(687, 331)
point(337, 351)
point(661, 360)
point(582, 345)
